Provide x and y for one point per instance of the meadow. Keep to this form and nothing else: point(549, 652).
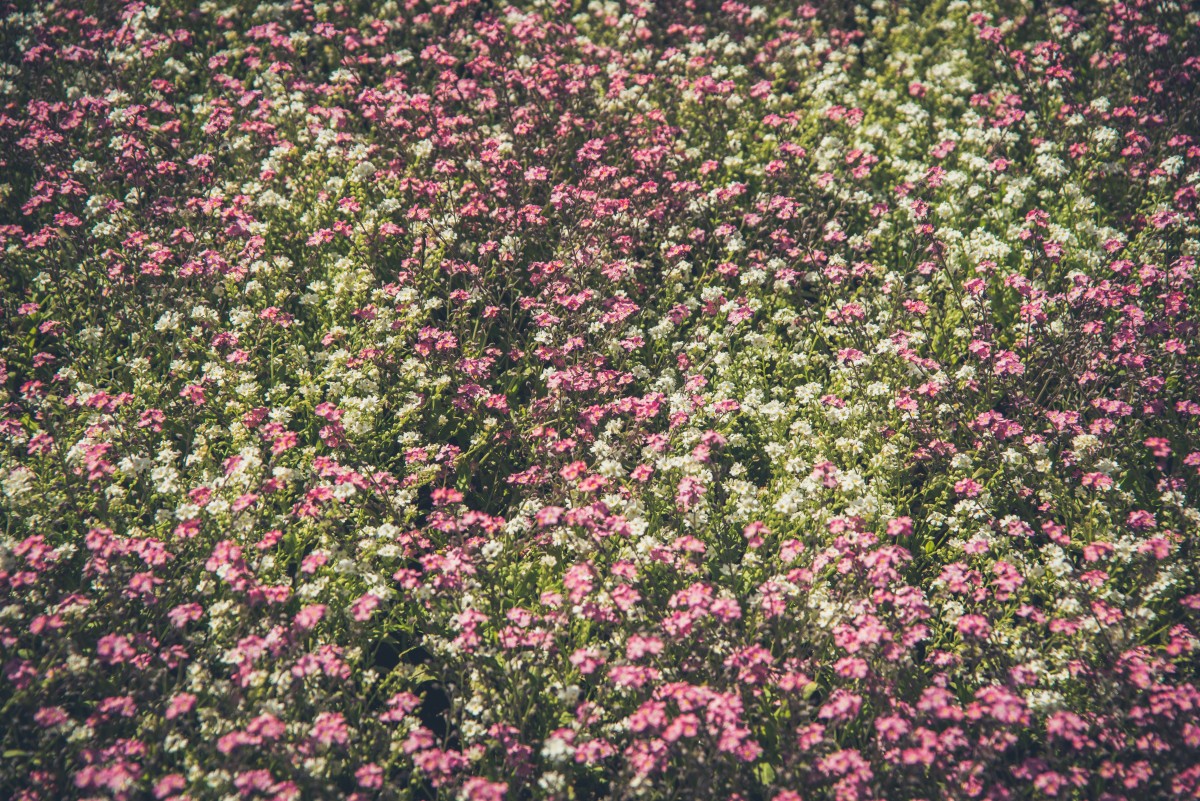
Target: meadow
point(565, 401)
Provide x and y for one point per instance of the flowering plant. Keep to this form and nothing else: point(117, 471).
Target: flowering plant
point(557, 400)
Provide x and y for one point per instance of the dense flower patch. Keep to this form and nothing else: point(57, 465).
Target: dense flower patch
point(580, 400)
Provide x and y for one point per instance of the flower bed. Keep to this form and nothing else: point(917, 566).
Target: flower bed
point(572, 400)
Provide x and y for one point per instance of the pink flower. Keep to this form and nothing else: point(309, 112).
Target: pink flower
point(588, 660)
point(1007, 363)
point(309, 616)
point(1141, 520)
point(50, 716)
point(650, 716)
point(642, 473)
point(180, 704)
point(689, 492)
point(330, 729)
point(974, 626)
point(183, 614)
point(400, 706)
point(362, 609)
point(194, 393)
point(479, 789)
point(790, 550)
point(753, 532)
point(850, 356)
point(168, 785)
point(639, 646)
point(1159, 446)
point(369, 776)
point(314, 561)
point(113, 649)
point(684, 726)
point(968, 487)
point(444, 496)
point(842, 706)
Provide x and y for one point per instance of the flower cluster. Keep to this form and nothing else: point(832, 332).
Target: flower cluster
point(486, 401)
